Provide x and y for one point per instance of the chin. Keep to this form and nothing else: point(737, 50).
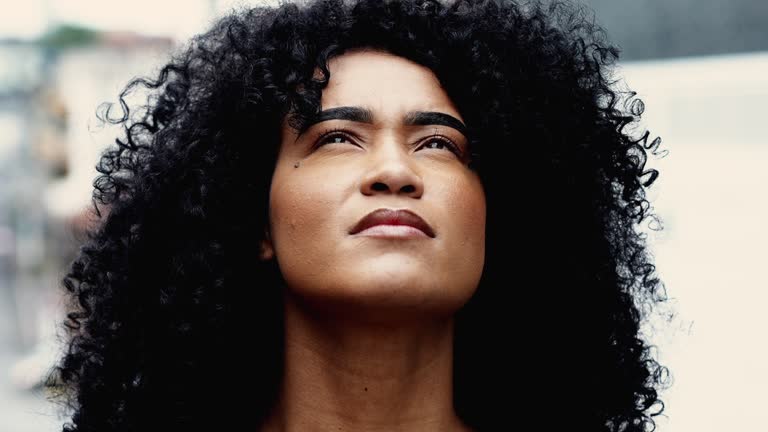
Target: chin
point(392, 288)
point(404, 293)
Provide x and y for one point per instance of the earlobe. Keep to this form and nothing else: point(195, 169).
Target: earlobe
point(266, 250)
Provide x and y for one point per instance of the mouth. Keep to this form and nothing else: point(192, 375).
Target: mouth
point(393, 223)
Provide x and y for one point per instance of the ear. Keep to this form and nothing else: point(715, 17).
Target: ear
point(266, 250)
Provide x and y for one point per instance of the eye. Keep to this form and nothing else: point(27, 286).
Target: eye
point(437, 142)
point(333, 136)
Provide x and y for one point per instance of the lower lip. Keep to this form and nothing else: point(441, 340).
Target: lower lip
point(396, 231)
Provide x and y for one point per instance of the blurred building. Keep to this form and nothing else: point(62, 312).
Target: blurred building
point(22, 232)
point(49, 94)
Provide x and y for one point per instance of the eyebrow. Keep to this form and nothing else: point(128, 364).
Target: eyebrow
point(365, 115)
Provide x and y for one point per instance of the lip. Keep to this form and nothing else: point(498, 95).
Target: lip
point(392, 218)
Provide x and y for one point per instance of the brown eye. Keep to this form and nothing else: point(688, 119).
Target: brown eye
point(333, 136)
point(333, 139)
point(438, 143)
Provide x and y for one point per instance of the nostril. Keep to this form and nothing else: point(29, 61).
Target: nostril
point(408, 188)
point(378, 186)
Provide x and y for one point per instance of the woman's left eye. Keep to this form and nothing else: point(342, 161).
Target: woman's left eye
point(442, 142)
point(333, 136)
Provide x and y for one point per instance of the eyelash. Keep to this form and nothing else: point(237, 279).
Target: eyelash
point(341, 132)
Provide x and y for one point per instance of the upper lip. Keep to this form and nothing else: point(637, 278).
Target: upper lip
point(385, 216)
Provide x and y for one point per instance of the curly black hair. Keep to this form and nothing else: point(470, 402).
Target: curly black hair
point(175, 325)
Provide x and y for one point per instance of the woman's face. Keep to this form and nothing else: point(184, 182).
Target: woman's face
point(323, 185)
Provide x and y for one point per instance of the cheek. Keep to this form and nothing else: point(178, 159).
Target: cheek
point(303, 204)
point(465, 199)
point(467, 202)
point(293, 205)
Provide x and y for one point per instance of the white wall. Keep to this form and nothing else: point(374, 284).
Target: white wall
point(712, 196)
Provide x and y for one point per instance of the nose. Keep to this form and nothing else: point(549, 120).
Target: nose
point(391, 172)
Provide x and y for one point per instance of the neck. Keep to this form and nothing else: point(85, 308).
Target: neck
point(344, 374)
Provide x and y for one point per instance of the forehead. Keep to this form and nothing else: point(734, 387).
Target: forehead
point(385, 83)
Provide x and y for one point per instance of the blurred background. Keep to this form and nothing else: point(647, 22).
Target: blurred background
point(700, 66)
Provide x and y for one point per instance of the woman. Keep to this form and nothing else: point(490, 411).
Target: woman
point(371, 215)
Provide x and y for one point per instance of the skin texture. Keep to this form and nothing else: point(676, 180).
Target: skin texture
point(368, 320)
